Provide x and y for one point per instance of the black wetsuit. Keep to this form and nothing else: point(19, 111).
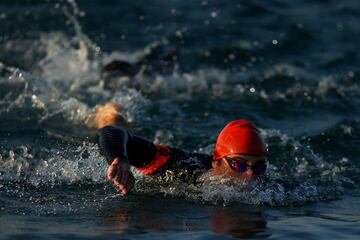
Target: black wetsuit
point(117, 142)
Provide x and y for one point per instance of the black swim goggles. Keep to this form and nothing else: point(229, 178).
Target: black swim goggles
point(241, 165)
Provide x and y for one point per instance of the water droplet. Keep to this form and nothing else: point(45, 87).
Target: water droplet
point(214, 14)
point(207, 54)
point(179, 34)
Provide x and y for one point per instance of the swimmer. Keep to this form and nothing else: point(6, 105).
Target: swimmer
point(158, 58)
point(239, 153)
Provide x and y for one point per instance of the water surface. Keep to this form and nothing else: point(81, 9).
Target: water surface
point(292, 68)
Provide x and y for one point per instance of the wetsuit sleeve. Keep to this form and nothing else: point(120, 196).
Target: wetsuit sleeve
point(116, 142)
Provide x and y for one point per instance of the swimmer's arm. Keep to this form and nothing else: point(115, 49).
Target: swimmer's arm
point(121, 150)
point(112, 142)
point(117, 142)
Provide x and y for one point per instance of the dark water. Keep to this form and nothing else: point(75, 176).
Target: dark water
point(291, 67)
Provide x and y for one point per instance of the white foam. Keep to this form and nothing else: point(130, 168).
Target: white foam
point(53, 166)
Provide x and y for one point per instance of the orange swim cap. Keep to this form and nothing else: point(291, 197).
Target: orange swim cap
point(240, 136)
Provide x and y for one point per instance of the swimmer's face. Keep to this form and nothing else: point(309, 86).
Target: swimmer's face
point(224, 166)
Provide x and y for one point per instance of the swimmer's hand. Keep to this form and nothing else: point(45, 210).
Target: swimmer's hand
point(119, 172)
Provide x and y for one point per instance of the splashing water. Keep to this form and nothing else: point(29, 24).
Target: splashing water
point(46, 112)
